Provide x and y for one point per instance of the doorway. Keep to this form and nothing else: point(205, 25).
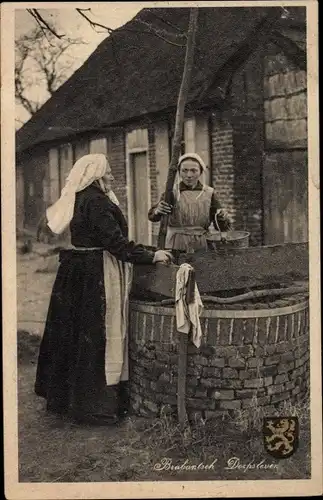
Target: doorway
point(140, 197)
point(285, 197)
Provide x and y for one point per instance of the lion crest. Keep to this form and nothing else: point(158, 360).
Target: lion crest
point(281, 436)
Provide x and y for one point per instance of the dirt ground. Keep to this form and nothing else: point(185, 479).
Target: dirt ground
point(34, 285)
point(52, 449)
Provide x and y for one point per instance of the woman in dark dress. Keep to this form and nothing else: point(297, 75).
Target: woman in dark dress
point(83, 360)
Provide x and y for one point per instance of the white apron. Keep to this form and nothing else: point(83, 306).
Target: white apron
point(190, 220)
point(117, 285)
point(117, 277)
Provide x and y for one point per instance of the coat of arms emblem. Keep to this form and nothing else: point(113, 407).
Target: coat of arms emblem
point(281, 436)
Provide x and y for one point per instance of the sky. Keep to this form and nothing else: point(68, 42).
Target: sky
point(69, 22)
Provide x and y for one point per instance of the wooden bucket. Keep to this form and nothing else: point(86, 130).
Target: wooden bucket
point(249, 356)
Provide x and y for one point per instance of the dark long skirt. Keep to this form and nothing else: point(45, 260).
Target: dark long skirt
point(71, 363)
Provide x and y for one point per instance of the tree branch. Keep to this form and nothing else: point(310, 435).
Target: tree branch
point(159, 33)
point(30, 106)
point(93, 24)
point(39, 64)
point(43, 24)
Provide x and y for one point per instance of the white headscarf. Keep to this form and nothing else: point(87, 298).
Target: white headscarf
point(198, 159)
point(85, 171)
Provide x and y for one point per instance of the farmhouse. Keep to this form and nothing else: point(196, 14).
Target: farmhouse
point(246, 116)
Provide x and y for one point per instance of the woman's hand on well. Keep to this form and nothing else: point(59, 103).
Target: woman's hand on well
point(163, 256)
point(163, 208)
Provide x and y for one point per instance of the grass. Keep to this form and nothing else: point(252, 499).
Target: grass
point(52, 449)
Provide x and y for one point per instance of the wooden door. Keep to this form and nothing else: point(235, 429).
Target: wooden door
point(202, 144)
point(285, 197)
point(140, 197)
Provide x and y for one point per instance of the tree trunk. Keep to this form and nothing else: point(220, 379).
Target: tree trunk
point(181, 102)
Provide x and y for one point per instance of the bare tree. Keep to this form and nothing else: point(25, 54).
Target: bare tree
point(41, 63)
point(42, 60)
point(175, 37)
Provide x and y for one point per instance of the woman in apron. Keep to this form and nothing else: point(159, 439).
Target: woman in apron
point(194, 207)
point(83, 360)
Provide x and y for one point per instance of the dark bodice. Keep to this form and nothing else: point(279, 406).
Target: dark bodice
point(98, 222)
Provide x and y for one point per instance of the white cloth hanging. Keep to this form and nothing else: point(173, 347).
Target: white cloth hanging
point(188, 315)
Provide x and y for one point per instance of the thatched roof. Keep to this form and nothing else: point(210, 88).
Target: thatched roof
point(133, 73)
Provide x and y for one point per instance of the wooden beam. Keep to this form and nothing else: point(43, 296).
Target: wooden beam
point(296, 53)
point(179, 120)
point(259, 35)
point(233, 270)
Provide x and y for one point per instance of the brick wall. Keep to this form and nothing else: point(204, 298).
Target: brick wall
point(247, 139)
point(237, 168)
point(117, 159)
point(152, 164)
point(248, 125)
point(242, 362)
point(154, 195)
point(223, 161)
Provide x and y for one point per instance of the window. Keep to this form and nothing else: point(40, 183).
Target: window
point(46, 191)
point(196, 137)
point(99, 145)
point(80, 148)
point(137, 139)
point(60, 164)
point(189, 136)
